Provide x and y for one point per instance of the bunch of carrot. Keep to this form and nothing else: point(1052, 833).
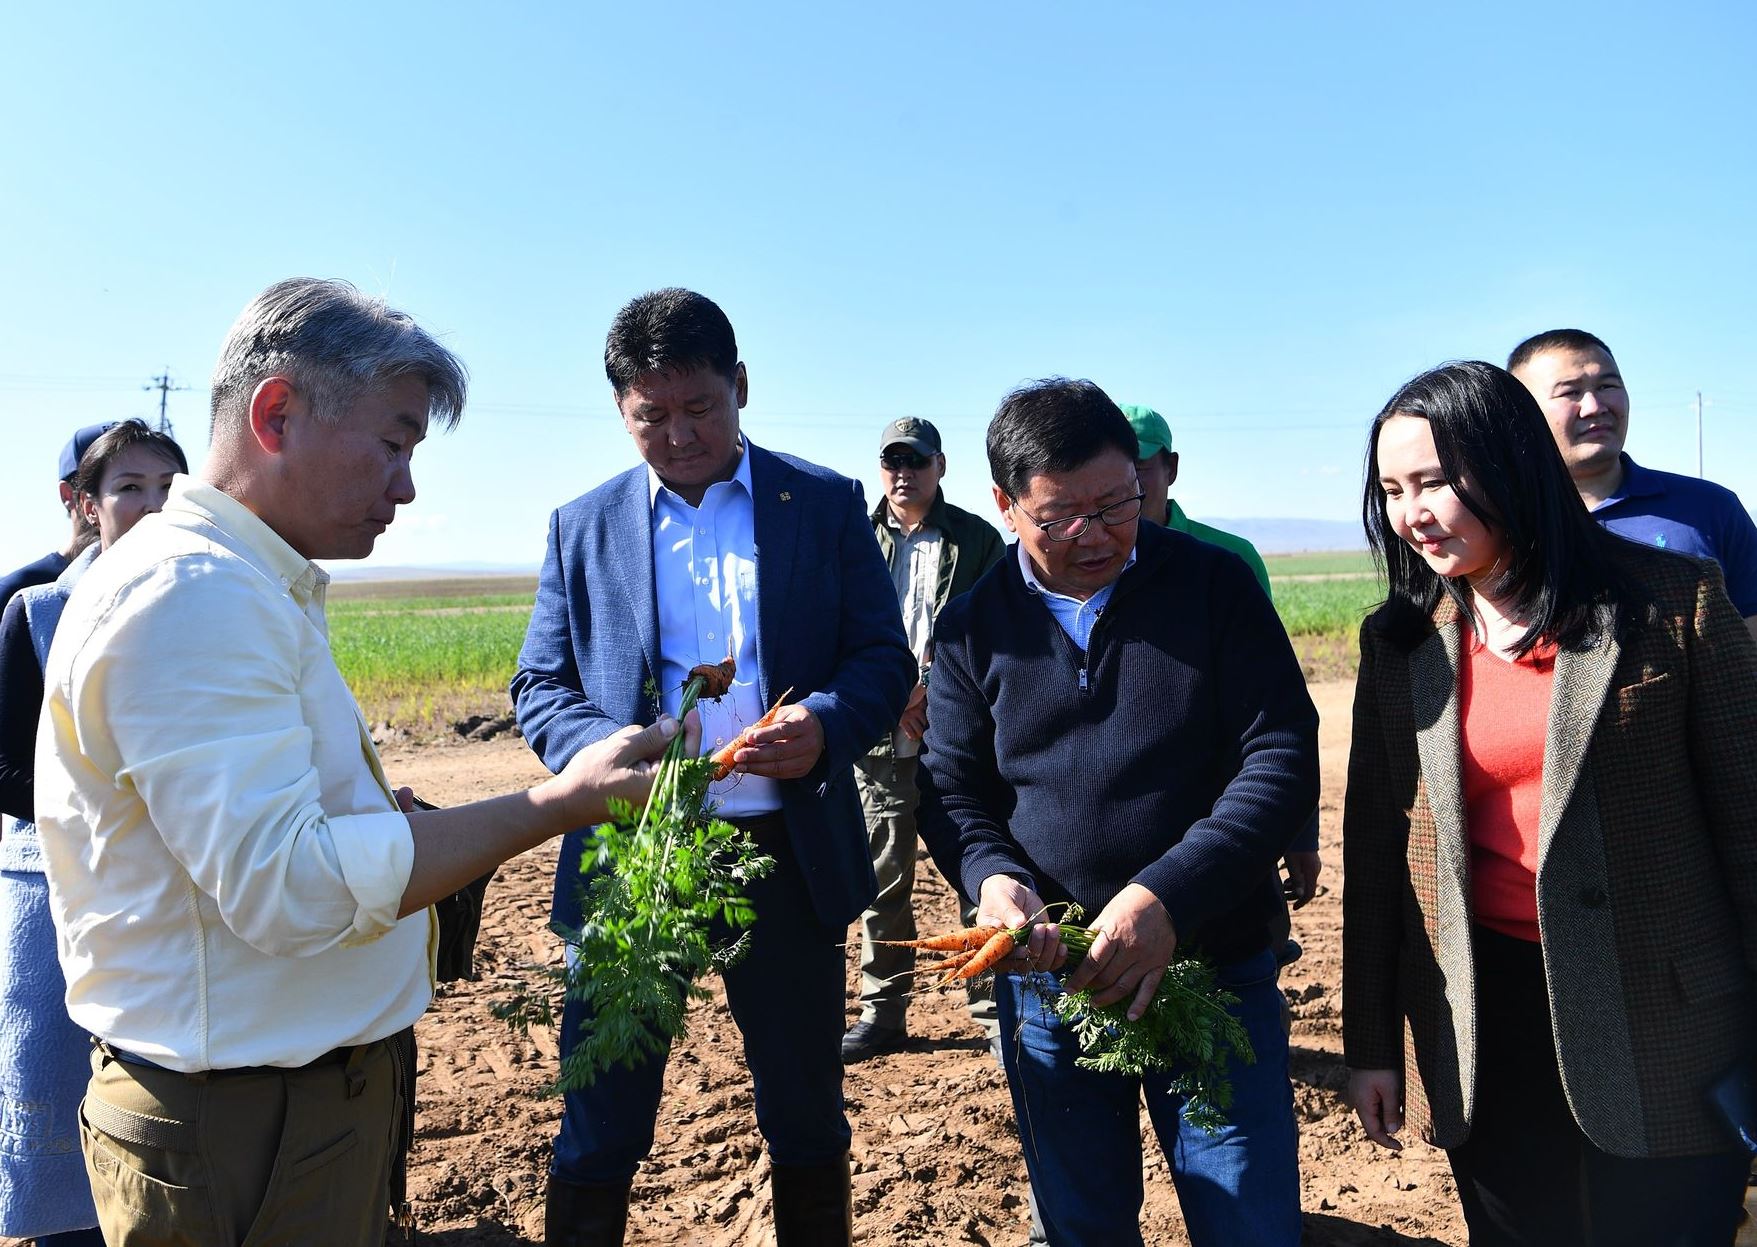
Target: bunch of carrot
point(665, 901)
point(970, 952)
point(975, 951)
point(1186, 1033)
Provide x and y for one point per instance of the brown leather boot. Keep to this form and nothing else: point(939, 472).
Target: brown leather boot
point(814, 1205)
point(585, 1214)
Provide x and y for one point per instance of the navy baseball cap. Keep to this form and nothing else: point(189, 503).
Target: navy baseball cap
point(78, 444)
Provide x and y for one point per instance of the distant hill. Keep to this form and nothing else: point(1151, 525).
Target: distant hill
point(1291, 536)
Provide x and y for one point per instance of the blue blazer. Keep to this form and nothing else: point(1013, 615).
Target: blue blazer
point(828, 627)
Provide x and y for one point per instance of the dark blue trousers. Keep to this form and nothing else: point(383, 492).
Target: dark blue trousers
point(1081, 1131)
point(787, 996)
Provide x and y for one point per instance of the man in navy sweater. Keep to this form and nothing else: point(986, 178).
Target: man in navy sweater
point(1117, 719)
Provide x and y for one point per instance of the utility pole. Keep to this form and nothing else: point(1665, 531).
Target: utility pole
point(1698, 432)
point(162, 383)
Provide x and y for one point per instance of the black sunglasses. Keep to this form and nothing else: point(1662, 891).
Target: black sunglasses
point(896, 460)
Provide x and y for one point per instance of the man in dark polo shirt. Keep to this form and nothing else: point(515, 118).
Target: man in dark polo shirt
point(1575, 379)
point(52, 564)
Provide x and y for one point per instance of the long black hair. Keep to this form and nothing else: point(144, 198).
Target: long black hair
point(1498, 455)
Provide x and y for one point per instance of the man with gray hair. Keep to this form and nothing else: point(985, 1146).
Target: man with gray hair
point(241, 899)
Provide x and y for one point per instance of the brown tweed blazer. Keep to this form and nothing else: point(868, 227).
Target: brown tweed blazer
point(1646, 881)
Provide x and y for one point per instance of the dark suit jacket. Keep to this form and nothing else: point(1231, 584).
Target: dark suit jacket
point(827, 626)
point(1646, 882)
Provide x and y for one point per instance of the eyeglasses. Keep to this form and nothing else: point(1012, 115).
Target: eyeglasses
point(1071, 526)
point(897, 460)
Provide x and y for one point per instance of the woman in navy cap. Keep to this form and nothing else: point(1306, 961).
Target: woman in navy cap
point(123, 473)
point(55, 562)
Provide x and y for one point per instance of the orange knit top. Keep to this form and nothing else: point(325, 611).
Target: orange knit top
point(1504, 708)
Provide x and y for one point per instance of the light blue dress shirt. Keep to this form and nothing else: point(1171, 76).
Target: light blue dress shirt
point(1075, 615)
point(705, 578)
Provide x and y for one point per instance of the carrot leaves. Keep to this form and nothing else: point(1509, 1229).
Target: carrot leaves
point(664, 902)
point(1186, 1032)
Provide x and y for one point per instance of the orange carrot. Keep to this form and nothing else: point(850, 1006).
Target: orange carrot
point(723, 759)
point(953, 960)
point(951, 965)
point(991, 954)
point(716, 677)
point(970, 938)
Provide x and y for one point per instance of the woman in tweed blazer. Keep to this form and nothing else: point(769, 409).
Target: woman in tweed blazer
point(1570, 1063)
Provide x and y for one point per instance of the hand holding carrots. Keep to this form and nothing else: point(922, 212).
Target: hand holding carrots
point(1006, 902)
point(1135, 944)
point(622, 764)
point(786, 746)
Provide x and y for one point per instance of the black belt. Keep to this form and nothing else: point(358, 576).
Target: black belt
point(335, 1056)
point(145, 1130)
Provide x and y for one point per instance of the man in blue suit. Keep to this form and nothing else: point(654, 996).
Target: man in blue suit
point(716, 546)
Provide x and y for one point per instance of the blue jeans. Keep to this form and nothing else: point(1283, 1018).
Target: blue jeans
point(787, 997)
point(1081, 1131)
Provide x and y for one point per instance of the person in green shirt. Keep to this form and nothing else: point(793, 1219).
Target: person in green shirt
point(1157, 469)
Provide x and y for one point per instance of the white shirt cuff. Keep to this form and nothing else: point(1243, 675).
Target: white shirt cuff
point(376, 853)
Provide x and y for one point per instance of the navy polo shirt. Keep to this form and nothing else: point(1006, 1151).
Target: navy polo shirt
point(40, 572)
point(1691, 516)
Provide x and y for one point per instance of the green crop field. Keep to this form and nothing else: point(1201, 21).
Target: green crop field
point(429, 604)
point(1326, 607)
point(1322, 612)
point(422, 654)
point(1335, 563)
point(1324, 594)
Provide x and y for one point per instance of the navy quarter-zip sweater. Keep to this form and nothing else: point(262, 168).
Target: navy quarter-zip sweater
point(1180, 751)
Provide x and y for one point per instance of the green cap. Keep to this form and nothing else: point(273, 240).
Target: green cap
point(1150, 429)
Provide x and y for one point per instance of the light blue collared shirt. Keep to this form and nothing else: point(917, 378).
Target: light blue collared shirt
point(705, 578)
point(1075, 616)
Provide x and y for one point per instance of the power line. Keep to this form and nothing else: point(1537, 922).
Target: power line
point(162, 383)
point(1249, 420)
point(80, 378)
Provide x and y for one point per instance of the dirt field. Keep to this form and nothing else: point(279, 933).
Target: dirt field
point(936, 1152)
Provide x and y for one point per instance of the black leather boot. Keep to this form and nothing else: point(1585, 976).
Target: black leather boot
point(585, 1214)
point(814, 1205)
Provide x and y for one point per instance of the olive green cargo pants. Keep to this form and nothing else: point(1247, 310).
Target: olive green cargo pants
point(260, 1157)
point(888, 797)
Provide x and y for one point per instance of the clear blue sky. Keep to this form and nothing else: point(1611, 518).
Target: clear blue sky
point(1259, 221)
